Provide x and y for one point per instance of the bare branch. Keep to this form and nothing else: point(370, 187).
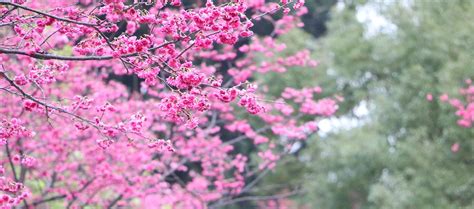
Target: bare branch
point(48, 15)
point(45, 56)
point(10, 160)
point(257, 198)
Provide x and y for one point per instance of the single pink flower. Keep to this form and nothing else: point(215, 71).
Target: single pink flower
point(455, 147)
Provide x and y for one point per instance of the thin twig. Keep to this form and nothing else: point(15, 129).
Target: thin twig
point(258, 198)
point(45, 56)
point(10, 160)
point(48, 15)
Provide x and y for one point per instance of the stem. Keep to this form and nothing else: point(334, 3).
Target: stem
point(114, 201)
point(7, 149)
point(44, 56)
point(48, 15)
point(49, 199)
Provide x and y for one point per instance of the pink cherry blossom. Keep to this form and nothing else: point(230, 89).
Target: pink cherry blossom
point(110, 103)
point(465, 106)
point(429, 97)
point(455, 147)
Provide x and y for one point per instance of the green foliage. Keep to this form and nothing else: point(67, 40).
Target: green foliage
point(400, 157)
point(342, 170)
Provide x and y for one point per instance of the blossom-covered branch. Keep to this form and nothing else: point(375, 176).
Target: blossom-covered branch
point(104, 104)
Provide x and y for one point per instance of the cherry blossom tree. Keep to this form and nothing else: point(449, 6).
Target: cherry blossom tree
point(110, 103)
point(464, 108)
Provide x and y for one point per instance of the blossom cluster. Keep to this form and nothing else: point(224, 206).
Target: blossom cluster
point(464, 109)
point(139, 103)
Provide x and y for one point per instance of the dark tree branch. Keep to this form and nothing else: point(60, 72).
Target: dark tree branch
point(114, 201)
point(24, 94)
point(257, 198)
point(48, 15)
point(7, 150)
point(45, 56)
point(58, 197)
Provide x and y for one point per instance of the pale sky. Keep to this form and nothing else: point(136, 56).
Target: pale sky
point(375, 23)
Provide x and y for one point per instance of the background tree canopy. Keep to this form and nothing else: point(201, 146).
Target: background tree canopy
point(399, 154)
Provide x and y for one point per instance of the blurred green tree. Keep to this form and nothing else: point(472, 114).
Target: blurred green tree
point(399, 156)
